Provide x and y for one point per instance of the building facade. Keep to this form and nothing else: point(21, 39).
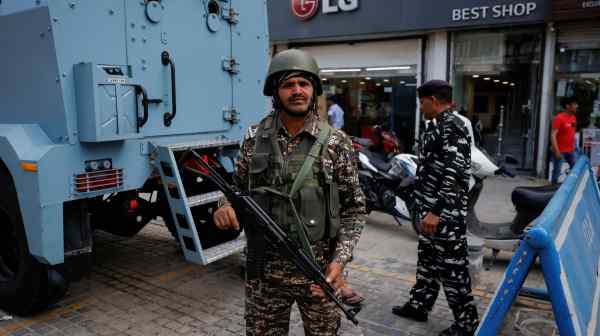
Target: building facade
point(574, 56)
point(509, 61)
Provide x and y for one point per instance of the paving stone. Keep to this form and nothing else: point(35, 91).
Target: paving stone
point(127, 294)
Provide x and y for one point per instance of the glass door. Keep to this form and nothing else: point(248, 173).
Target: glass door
point(497, 81)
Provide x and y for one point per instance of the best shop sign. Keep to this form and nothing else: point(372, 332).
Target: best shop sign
point(495, 12)
point(313, 20)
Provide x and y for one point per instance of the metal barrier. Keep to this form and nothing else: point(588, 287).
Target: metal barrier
point(566, 238)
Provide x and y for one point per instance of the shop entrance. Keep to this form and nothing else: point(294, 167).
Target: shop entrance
point(376, 100)
point(375, 84)
point(497, 77)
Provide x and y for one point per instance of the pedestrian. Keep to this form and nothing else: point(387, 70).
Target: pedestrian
point(335, 113)
point(303, 174)
point(441, 196)
point(564, 126)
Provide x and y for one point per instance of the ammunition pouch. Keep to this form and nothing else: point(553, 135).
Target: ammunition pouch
point(312, 211)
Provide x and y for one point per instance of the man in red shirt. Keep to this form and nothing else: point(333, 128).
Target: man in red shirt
point(564, 127)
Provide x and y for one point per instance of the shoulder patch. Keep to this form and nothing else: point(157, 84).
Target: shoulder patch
point(458, 124)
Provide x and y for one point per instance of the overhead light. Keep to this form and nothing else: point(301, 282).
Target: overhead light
point(340, 70)
point(386, 80)
point(496, 81)
point(368, 78)
point(344, 81)
point(475, 76)
point(362, 83)
point(504, 83)
point(378, 84)
point(487, 78)
point(389, 68)
point(324, 79)
point(512, 84)
point(402, 82)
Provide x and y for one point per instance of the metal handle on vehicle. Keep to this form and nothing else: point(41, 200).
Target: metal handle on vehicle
point(140, 90)
point(167, 60)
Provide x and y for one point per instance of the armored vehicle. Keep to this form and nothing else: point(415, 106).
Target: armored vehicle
point(99, 103)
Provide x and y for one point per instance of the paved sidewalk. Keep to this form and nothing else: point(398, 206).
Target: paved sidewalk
point(142, 286)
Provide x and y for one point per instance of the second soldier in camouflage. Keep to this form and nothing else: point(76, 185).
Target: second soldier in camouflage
point(441, 197)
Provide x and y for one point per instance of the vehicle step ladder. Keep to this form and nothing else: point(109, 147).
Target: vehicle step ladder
point(180, 205)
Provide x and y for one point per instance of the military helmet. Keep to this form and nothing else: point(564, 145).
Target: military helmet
point(292, 60)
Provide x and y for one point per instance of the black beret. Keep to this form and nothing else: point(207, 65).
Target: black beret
point(433, 87)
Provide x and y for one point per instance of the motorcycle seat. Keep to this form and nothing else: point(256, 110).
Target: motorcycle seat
point(533, 198)
point(363, 141)
point(378, 161)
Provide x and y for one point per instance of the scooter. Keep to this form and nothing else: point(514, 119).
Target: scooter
point(529, 202)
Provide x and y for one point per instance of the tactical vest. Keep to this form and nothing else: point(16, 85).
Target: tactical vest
point(309, 215)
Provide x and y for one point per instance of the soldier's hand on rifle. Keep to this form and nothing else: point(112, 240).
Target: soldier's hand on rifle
point(226, 219)
point(335, 277)
point(429, 223)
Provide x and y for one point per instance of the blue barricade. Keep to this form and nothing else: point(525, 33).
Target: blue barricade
point(566, 238)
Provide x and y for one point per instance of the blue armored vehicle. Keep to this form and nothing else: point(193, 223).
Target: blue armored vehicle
point(99, 103)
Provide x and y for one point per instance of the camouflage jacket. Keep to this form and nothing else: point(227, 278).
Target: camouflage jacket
point(444, 172)
point(344, 172)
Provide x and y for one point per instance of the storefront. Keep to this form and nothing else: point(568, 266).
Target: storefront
point(375, 53)
point(497, 75)
point(375, 84)
point(577, 59)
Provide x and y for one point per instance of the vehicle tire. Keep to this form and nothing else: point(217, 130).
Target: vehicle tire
point(23, 279)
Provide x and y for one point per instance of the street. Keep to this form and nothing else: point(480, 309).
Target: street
point(142, 286)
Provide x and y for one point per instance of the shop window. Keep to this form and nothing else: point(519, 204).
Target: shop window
point(384, 98)
point(578, 74)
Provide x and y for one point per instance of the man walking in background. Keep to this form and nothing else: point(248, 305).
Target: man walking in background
point(335, 113)
point(564, 126)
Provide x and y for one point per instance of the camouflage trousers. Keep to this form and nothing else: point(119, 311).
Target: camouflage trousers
point(268, 308)
point(445, 261)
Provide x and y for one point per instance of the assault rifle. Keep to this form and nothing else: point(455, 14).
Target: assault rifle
point(245, 205)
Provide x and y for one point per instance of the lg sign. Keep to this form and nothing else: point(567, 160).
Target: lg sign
point(306, 9)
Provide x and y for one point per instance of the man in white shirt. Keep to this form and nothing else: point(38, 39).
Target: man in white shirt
point(335, 113)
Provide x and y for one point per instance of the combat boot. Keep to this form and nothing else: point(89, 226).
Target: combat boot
point(455, 330)
point(410, 312)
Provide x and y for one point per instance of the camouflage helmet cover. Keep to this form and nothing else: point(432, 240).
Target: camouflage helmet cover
point(292, 60)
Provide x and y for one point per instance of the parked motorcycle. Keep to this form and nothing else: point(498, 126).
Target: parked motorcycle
point(385, 175)
point(387, 182)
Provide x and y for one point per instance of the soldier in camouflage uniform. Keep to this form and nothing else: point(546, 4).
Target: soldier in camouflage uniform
point(441, 195)
point(329, 202)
